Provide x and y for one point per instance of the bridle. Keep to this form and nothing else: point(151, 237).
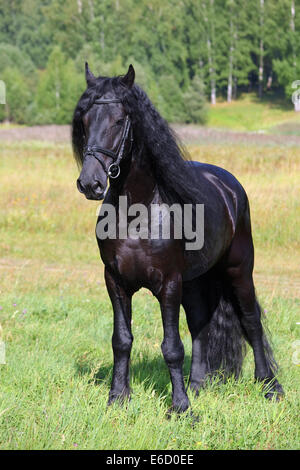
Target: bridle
point(113, 170)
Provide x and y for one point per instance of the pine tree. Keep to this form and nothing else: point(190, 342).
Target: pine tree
point(195, 102)
point(58, 88)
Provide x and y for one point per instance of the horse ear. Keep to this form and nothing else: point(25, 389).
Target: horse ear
point(90, 79)
point(128, 79)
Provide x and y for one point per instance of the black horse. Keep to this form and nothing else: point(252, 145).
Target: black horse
point(118, 135)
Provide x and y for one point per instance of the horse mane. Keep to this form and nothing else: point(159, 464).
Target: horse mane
point(153, 139)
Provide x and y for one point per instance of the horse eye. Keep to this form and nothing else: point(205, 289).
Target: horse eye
point(120, 122)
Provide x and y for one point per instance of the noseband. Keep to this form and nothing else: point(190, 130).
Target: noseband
point(113, 169)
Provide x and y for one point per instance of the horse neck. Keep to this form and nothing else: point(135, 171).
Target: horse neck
point(139, 184)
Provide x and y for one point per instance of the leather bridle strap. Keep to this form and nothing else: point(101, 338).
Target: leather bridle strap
point(92, 150)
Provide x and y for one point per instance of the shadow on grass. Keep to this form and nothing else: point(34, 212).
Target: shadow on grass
point(274, 100)
point(149, 372)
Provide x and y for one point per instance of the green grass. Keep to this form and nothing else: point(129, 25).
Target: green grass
point(250, 114)
point(9, 125)
point(56, 318)
point(55, 384)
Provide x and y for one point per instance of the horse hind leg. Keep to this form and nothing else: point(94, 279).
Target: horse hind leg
point(217, 339)
point(241, 280)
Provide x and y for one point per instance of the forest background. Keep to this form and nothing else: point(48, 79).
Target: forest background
point(186, 53)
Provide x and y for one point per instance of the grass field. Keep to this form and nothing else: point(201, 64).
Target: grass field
point(248, 113)
point(56, 319)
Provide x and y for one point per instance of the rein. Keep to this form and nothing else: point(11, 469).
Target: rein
point(113, 170)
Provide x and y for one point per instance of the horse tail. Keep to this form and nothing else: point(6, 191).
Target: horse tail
point(226, 344)
point(226, 338)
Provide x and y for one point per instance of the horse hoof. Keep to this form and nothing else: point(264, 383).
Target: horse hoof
point(196, 387)
point(274, 390)
point(119, 398)
point(276, 394)
point(187, 414)
point(180, 407)
point(176, 410)
point(195, 419)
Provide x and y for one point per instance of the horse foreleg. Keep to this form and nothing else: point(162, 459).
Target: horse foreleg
point(195, 304)
point(121, 339)
point(172, 347)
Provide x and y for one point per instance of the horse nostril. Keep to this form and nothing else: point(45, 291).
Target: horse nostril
point(80, 186)
point(96, 187)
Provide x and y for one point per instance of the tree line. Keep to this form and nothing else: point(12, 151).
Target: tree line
point(185, 52)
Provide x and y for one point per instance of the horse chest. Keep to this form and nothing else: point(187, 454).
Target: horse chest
point(142, 263)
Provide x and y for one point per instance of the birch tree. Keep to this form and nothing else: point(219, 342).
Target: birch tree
point(296, 100)
point(209, 18)
point(261, 48)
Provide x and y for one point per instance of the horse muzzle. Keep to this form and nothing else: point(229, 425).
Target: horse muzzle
point(92, 191)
